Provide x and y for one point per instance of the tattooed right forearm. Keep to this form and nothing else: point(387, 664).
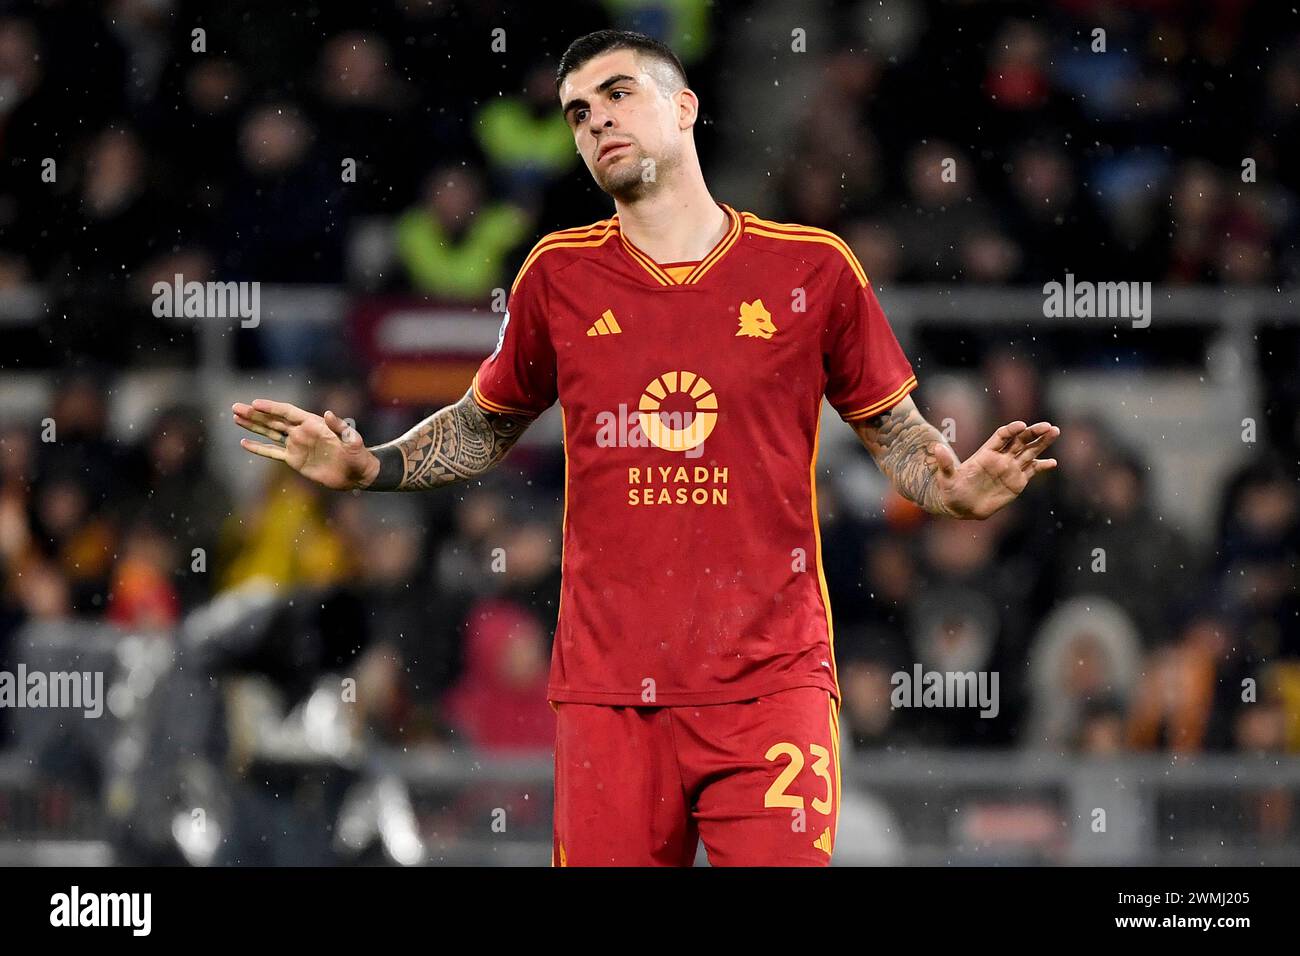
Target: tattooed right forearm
point(457, 443)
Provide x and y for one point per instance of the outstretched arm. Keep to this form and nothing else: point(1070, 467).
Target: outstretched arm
point(923, 468)
point(455, 443)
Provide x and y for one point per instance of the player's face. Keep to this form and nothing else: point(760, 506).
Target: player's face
point(624, 124)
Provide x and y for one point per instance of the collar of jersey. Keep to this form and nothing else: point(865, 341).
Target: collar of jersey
point(657, 272)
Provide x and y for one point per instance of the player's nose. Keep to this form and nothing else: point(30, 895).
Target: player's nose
point(599, 121)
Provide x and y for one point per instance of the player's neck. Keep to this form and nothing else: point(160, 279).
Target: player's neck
point(674, 226)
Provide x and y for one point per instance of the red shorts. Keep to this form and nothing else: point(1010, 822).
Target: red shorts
point(757, 780)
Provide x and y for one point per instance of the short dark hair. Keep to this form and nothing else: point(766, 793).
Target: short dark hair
point(602, 41)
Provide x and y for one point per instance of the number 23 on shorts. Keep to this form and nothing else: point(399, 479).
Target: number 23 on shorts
point(777, 796)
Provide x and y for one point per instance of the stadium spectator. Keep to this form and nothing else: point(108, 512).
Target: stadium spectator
point(1118, 547)
point(1085, 651)
point(365, 115)
point(454, 245)
point(1255, 561)
point(282, 217)
point(941, 189)
point(1190, 690)
point(525, 140)
point(500, 702)
point(285, 537)
point(141, 595)
point(174, 473)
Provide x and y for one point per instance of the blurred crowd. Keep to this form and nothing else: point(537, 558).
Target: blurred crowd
point(452, 596)
point(405, 145)
point(1153, 139)
point(1111, 631)
point(236, 141)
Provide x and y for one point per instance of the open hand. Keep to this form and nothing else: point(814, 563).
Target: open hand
point(997, 473)
point(323, 448)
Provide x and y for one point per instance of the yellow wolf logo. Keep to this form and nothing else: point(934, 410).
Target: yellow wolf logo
point(755, 320)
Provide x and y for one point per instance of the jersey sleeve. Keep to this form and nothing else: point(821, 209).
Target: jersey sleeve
point(519, 377)
point(867, 372)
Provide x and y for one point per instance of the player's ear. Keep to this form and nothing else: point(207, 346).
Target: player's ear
point(688, 107)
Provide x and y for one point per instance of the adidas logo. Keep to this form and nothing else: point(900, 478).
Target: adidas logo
point(823, 842)
point(605, 325)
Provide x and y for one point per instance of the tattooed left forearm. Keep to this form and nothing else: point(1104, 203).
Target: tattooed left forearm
point(457, 443)
point(900, 440)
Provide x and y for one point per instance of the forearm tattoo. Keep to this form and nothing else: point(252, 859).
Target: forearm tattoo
point(900, 440)
point(456, 443)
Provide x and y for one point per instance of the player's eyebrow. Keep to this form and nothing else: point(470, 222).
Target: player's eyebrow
point(578, 103)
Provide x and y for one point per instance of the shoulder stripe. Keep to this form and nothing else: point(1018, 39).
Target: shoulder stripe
point(889, 401)
point(488, 405)
point(593, 235)
point(797, 233)
point(788, 226)
point(598, 224)
point(794, 229)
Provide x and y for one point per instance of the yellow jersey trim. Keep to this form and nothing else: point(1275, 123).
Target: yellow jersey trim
point(797, 233)
point(889, 401)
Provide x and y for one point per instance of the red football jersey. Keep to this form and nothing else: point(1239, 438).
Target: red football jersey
point(691, 396)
